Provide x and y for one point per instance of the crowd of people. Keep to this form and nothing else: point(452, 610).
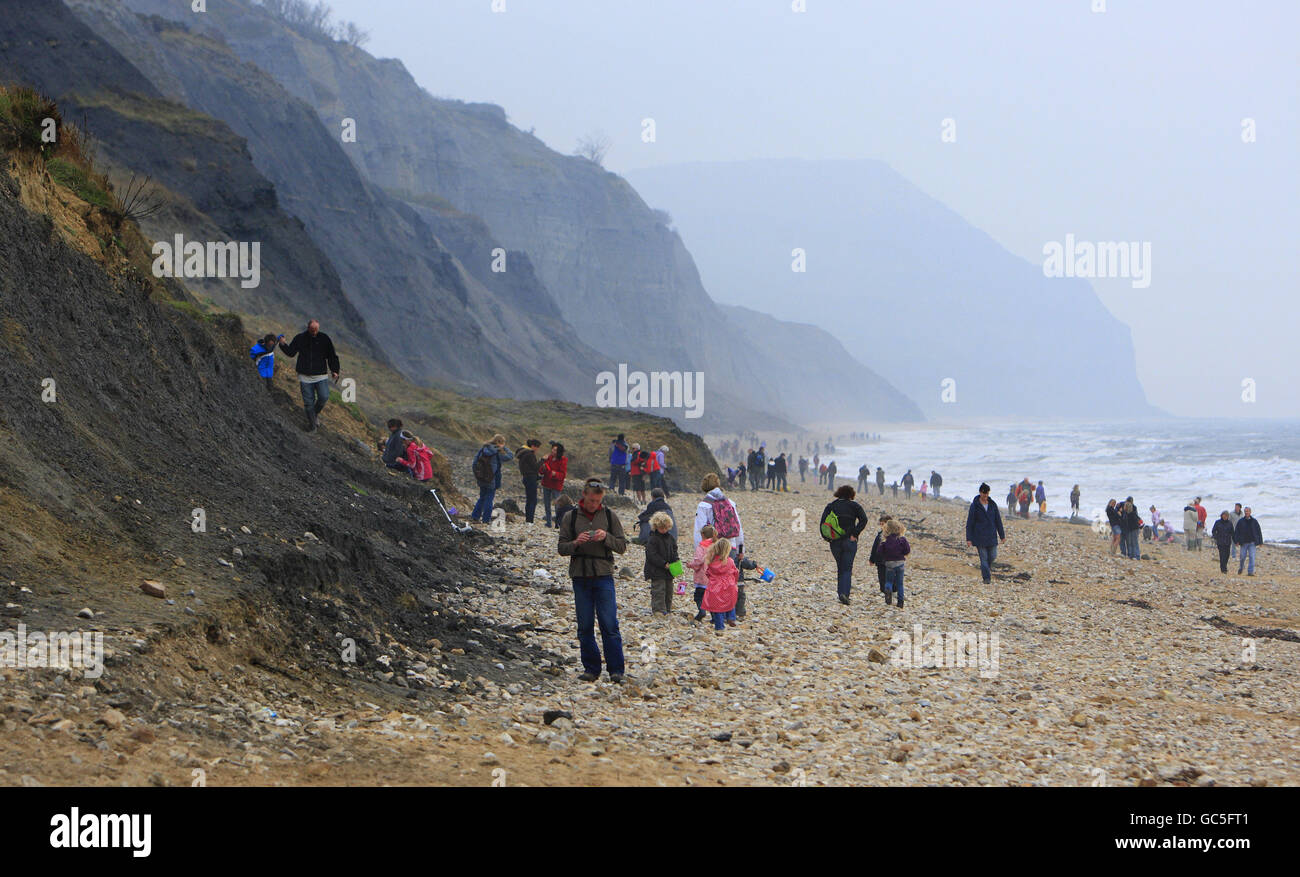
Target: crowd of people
point(590, 533)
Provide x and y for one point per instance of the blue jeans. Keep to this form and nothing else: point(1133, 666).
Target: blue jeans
point(483, 508)
point(1129, 540)
point(988, 554)
point(844, 550)
point(314, 397)
point(593, 599)
point(1247, 554)
point(720, 619)
point(530, 499)
point(894, 581)
point(549, 494)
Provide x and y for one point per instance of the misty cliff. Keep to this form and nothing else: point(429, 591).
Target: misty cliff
point(910, 287)
point(611, 264)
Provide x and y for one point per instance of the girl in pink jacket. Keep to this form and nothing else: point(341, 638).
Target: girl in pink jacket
point(699, 564)
point(720, 594)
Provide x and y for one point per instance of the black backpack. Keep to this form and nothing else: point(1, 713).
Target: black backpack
point(483, 470)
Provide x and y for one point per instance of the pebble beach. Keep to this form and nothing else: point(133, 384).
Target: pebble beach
point(1102, 671)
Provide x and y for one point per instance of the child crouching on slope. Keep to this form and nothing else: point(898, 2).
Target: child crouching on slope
point(893, 551)
point(699, 564)
point(720, 595)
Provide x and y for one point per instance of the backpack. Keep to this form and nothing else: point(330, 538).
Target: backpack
point(830, 528)
point(725, 522)
point(483, 470)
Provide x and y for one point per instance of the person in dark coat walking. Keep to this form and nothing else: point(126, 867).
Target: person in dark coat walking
point(984, 530)
point(317, 364)
point(1248, 538)
point(851, 520)
point(1222, 535)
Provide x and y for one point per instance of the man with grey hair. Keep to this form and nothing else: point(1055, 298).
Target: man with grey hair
point(1248, 535)
point(316, 364)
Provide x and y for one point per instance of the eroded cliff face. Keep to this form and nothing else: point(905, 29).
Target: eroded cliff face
point(613, 267)
point(436, 321)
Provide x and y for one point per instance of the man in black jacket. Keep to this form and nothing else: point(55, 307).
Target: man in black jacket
point(1247, 535)
point(317, 364)
point(530, 469)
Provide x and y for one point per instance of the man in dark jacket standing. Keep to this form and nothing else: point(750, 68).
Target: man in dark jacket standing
point(590, 535)
point(984, 530)
point(530, 469)
point(936, 481)
point(618, 465)
point(1248, 537)
point(316, 364)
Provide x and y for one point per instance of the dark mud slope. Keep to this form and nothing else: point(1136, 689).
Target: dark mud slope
point(155, 413)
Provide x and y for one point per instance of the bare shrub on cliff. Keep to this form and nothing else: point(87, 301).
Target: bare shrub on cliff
point(594, 147)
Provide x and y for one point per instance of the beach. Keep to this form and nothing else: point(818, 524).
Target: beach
point(1109, 671)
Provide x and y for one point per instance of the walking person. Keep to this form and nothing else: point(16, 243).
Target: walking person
point(1223, 535)
point(1201, 515)
point(880, 480)
point(618, 475)
point(487, 473)
point(803, 468)
point(530, 469)
point(590, 535)
point(908, 481)
point(316, 364)
point(862, 478)
point(263, 355)
point(893, 552)
point(842, 521)
point(984, 531)
point(554, 469)
point(1248, 538)
point(1233, 517)
point(830, 476)
point(1074, 501)
point(719, 512)
point(1041, 496)
point(936, 481)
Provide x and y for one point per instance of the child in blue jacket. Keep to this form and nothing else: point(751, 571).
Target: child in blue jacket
point(263, 355)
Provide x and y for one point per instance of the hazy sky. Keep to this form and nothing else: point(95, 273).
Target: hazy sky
point(1117, 125)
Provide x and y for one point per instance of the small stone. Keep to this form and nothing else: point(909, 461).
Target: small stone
point(112, 719)
point(876, 656)
point(153, 588)
point(86, 613)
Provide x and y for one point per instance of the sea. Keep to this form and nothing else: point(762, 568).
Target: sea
point(1164, 462)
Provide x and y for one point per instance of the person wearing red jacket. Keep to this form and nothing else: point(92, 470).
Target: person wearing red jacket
point(636, 468)
point(554, 469)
